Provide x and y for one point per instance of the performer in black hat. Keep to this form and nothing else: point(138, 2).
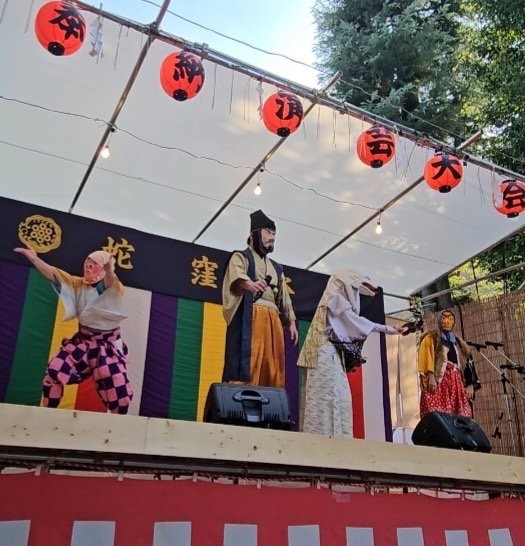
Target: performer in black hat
point(257, 306)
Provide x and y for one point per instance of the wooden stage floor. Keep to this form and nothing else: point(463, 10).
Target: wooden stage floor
point(62, 439)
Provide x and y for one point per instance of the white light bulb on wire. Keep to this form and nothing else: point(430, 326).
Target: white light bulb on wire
point(105, 153)
point(257, 190)
point(379, 227)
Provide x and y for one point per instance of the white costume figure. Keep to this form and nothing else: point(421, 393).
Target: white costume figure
point(328, 400)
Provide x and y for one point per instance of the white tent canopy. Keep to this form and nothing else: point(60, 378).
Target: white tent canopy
point(187, 170)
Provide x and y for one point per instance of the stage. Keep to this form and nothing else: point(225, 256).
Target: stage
point(66, 439)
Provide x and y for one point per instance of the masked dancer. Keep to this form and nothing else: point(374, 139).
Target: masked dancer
point(447, 374)
point(97, 348)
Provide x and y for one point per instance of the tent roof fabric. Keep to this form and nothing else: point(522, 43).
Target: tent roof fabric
point(175, 165)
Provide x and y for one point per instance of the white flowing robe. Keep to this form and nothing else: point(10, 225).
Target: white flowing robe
point(328, 399)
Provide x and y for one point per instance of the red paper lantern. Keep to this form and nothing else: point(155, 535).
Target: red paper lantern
point(510, 200)
point(60, 28)
point(282, 113)
point(182, 75)
point(443, 172)
point(376, 147)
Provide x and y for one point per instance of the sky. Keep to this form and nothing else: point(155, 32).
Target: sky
point(279, 26)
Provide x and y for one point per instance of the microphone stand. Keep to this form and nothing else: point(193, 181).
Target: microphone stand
point(504, 380)
point(512, 365)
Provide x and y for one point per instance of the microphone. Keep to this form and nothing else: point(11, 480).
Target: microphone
point(516, 367)
point(494, 344)
point(477, 346)
point(258, 295)
point(412, 327)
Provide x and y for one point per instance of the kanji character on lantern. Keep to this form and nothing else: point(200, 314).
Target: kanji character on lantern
point(282, 113)
point(510, 198)
point(60, 28)
point(182, 75)
point(376, 147)
point(443, 172)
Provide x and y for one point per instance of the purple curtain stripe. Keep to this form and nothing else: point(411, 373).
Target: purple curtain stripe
point(13, 286)
point(158, 368)
point(292, 379)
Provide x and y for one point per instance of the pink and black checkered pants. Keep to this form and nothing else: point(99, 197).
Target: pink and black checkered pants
point(101, 354)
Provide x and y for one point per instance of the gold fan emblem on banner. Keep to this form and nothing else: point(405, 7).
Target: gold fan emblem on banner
point(40, 233)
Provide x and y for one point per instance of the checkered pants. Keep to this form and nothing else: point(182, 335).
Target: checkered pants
point(98, 354)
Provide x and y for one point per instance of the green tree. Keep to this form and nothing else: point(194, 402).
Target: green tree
point(492, 58)
point(397, 59)
point(467, 287)
point(508, 253)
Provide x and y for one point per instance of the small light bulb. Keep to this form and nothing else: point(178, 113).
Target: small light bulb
point(379, 228)
point(258, 189)
point(105, 153)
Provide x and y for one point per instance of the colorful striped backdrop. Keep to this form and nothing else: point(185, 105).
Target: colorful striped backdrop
point(176, 349)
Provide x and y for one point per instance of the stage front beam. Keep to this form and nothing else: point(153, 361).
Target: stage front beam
point(131, 438)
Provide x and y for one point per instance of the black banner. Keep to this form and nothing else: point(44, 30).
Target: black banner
point(145, 261)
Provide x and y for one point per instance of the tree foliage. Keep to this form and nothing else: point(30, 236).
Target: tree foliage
point(508, 253)
point(493, 58)
point(396, 58)
point(466, 286)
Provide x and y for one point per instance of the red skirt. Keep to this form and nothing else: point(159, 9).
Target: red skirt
point(449, 397)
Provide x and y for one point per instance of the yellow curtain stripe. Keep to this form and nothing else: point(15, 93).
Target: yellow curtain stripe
point(61, 330)
point(212, 352)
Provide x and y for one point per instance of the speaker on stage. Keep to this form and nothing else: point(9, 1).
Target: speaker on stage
point(440, 429)
point(247, 405)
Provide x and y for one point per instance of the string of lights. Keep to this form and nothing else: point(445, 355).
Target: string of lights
point(316, 98)
point(105, 154)
point(216, 200)
point(182, 150)
point(171, 188)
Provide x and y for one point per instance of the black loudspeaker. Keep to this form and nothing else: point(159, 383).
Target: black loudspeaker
point(247, 405)
point(440, 429)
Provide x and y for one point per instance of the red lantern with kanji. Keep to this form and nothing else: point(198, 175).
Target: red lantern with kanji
point(282, 113)
point(60, 28)
point(510, 198)
point(182, 75)
point(443, 172)
point(376, 147)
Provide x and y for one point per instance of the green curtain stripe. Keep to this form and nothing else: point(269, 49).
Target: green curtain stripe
point(188, 343)
point(33, 342)
point(303, 330)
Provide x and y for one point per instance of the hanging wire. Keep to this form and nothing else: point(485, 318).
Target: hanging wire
point(325, 73)
point(4, 9)
point(181, 150)
point(423, 140)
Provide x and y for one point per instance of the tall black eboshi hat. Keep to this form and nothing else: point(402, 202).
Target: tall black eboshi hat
point(259, 220)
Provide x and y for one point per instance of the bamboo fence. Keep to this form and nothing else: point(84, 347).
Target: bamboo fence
point(499, 406)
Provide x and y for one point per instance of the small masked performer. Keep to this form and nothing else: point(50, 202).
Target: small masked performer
point(331, 349)
point(447, 374)
point(256, 306)
point(96, 349)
